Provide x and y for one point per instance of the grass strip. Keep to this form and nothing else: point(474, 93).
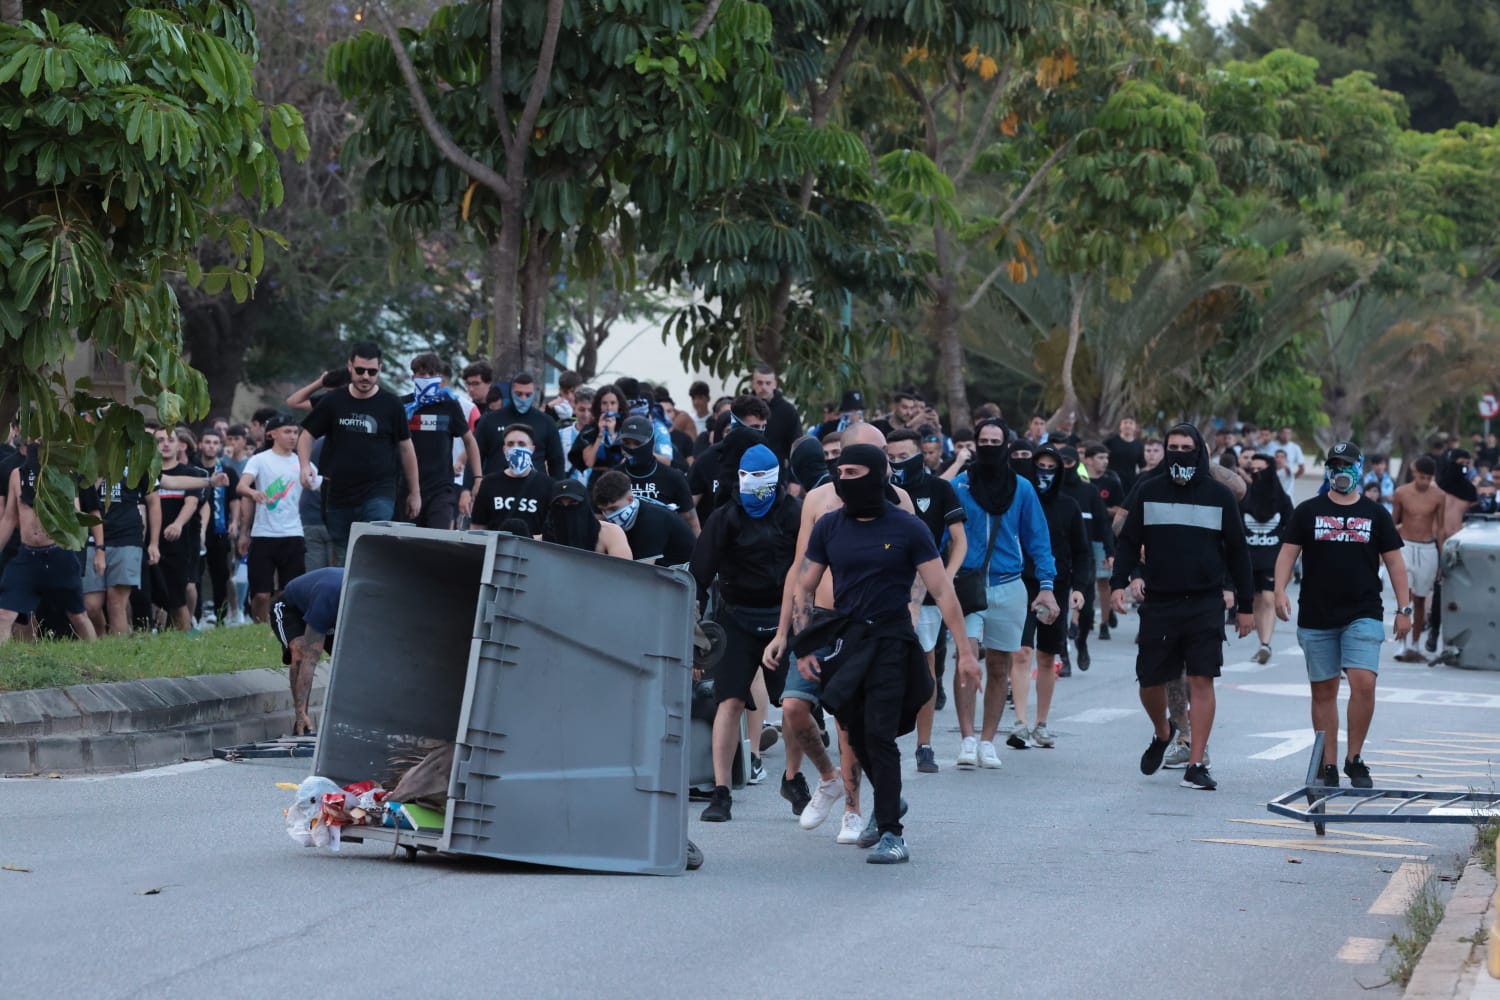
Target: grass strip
point(61, 662)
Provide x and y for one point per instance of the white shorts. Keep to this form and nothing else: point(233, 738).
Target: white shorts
point(929, 626)
point(1421, 567)
point(999, 626)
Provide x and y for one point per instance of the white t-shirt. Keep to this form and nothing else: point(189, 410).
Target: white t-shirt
point(279, 478)
point(1294, 456)
point(459, 451)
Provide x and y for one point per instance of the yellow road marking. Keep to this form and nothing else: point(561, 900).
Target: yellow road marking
point(1376, 838)
point(1328, 847)
point(1361, 950)
point(1405, 883)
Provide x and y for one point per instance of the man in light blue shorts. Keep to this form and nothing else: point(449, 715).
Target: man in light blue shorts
point(1342, 538)
point(999, 503)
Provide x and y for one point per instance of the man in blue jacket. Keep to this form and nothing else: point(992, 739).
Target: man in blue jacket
point(1006, 526)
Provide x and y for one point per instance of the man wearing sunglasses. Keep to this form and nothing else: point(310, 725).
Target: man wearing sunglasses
point(367, 440)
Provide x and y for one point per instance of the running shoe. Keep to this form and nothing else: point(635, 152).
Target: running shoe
point(854, 825)
point(694, 857)
point(823, 798)
point(1197, 776)
point(1017, 738)
point(769, 734)
point(942, 698)
point(757, 771)
point(794, 790)
point(1359, 774)
point(1432, 638)
point(1104, 632)
point(1151, 759)
point(1084, 662)
point(926, 760)
point(1042, 737)
point(891, 850)
point(1114, 620)
point(1411, 655)
point(987, 755)
point(1329, 776)
point(1176, 756)
point(870, 835)
point(968, 752)
point(1263, 654)
point(718, 807)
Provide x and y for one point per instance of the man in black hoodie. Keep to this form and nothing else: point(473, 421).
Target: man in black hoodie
point(1096, 523)
point(1189, 525)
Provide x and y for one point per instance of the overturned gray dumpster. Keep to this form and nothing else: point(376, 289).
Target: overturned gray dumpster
point(1471, 595)
point(562, 677)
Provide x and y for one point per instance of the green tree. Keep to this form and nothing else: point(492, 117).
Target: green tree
point(125, 127)
point(1442, 56)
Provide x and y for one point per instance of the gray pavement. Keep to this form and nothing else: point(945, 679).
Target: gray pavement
point(1067, 873)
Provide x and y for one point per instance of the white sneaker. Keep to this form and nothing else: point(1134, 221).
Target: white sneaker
point(823, 797)
point(987, 755)
point(968, 752)
point(854, 825)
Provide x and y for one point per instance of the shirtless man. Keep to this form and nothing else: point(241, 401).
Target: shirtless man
point(1417, 509)
point(42, 567)
point(800, 696)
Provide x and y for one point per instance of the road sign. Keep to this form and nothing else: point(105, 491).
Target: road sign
point(1489, 406)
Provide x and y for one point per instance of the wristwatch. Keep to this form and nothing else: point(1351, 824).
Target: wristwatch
point(1404, 611)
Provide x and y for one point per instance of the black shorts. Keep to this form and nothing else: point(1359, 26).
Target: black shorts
point(1180, 635)
point(747, 631)
point(439, 509)
point(174, 572)
point(51, 574)
point(273, 561)
point(1046, 638)
point(1265, 581)
point(287, 624)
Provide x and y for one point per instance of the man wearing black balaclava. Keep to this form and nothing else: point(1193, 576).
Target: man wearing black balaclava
point(1189, 526)
point(875, 681)
point(808, 467)
point(570, 521)
point(1095, 511)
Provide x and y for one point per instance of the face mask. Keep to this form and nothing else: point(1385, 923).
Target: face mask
point(989, 456)
point(519, 460)
point(908, 471)
point(1044, 480)
point(625, 516)
point(1342, 478)
point(1182, 466)
point(1023, 467)
point(639, 457)
point(758, 491)
point(809, 467)
point(429, 390)
point(521, 403)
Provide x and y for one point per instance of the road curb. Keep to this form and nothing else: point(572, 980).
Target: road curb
point(1451, 957)
point(130, 725)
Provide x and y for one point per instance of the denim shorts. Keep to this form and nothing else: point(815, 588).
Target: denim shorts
point(999, 625)
point(1329, 651)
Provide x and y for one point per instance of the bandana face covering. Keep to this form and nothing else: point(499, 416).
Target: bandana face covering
point(625, 516)
point(908, 471)
point(519, 460)
point(521, 404)
point(428, 391)
point(1182, 466)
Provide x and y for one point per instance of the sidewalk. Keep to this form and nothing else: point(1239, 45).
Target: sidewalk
point(132, 725)
point(1453, 966)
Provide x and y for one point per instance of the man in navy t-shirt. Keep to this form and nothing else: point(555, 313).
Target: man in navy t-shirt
point(303, 619)
point(876, 677)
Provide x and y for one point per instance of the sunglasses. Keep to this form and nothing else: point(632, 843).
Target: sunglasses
point(366, 371)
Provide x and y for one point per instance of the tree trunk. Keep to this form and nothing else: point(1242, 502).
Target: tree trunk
point(1070, 356)
point(505, 265)
point(536, 285)
point(11, 11)
point(216, 335)
point(944, 320)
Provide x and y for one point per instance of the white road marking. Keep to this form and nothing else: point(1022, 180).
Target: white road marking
point(1248, 667)
point(1097, 716)
point(1361, 950)
point(1394, 696)
point(186, 767)
point(1406, 882)
point(1292, 741)
point(1290, 651)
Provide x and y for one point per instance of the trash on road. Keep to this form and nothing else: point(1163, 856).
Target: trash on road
point(322, 809)
point(13, 868)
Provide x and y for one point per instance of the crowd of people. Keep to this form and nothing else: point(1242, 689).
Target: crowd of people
point(842, 559)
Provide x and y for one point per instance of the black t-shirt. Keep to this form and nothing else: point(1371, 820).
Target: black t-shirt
point(664, 485)
point(433, 429)
point(607, 457)
point(703, 480)
point(873, 562)
point(660, 535)
point(1264, 537)
point(123, 525)
point(937, 507)
point(1110, 488)
point(1341, 550)
point(172, 500)
point(218, 499)
point(1124, 458)
point(360, 446)
point(502, 497)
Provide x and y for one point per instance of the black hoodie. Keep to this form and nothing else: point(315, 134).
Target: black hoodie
point(1192, 534)
point(1095, 513)
point(1065, 527)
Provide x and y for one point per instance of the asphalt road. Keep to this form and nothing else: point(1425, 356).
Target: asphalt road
point(1067, 873)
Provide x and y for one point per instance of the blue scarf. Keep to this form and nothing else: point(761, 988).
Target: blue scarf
point(428, 391)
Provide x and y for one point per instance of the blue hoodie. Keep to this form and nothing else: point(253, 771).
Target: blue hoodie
point(1021, 531)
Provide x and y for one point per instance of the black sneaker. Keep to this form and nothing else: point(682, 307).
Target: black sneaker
point(1329, 776)
point(1151, 759)
point(871, 834)
point(1072, 630)
point(1066, 668)
point(926, 760)
point(1104, 633)
point(794, 790)
point(1359, 774)
point(694, 857)
point(718, 807)
point(1197, 776)
point(1114, 620)
point(769, 734)
point(942, 698)
point(1084, 661)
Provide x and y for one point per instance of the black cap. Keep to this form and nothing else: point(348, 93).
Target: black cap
point(570, 489)
point(278, 421)
point(853, 400)
point(637, 428)
point(1345, 451)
